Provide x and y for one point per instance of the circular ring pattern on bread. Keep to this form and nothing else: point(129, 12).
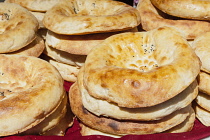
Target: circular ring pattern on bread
point(152, 18)
point(82, 17)
point(141, 69)
point(189, 9)
point(31, 89)
point(17, 27)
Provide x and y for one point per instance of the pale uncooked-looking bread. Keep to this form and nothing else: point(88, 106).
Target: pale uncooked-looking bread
point(17, 27)
point(104, 108)
point(73, 17)
point(141, 69)
point(152, 18)
point(189, 9)
point(31, 89)
point(119, 127)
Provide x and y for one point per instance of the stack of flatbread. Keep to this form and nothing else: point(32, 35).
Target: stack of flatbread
point(76, 26)
point(32, 100)
point(137, 83)
point(36, 7)
point(157, 13)
point(19, 31)
point(202, 49)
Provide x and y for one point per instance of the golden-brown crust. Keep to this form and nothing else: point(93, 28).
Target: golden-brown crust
point(151, 18)
point(83, 17)
point(18, 27)
point(190, 9)
point(113, 126)
point(104, 108)
point(145, 69)
point(51, 121)
point(27, 83)
point(65, 123)
point(77, 44)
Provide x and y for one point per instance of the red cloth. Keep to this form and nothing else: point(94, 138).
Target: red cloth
point(198, 132)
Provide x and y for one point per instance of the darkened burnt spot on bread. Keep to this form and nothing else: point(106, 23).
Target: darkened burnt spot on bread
point(2, 96)
point(161, 28)
point(114, 126)
point(4, 16)
point(40, 116)
point(19, 23)
point(135, 84)
point(182, 44)
point(84, 110)
point(154, 76)
point(104, 85)
point(3, 92)
point(100, 121)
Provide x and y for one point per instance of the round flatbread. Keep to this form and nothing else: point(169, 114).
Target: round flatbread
point(17, 27)
point(119, 127)
point(141, 69)
point(75, 17)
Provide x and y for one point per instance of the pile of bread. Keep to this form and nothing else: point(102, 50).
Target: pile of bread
point(142, 83)
point(201, 105)
point(32, 99)
point(36, 86)
point(135, 70)
point(19, 31)
point(192, 20)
